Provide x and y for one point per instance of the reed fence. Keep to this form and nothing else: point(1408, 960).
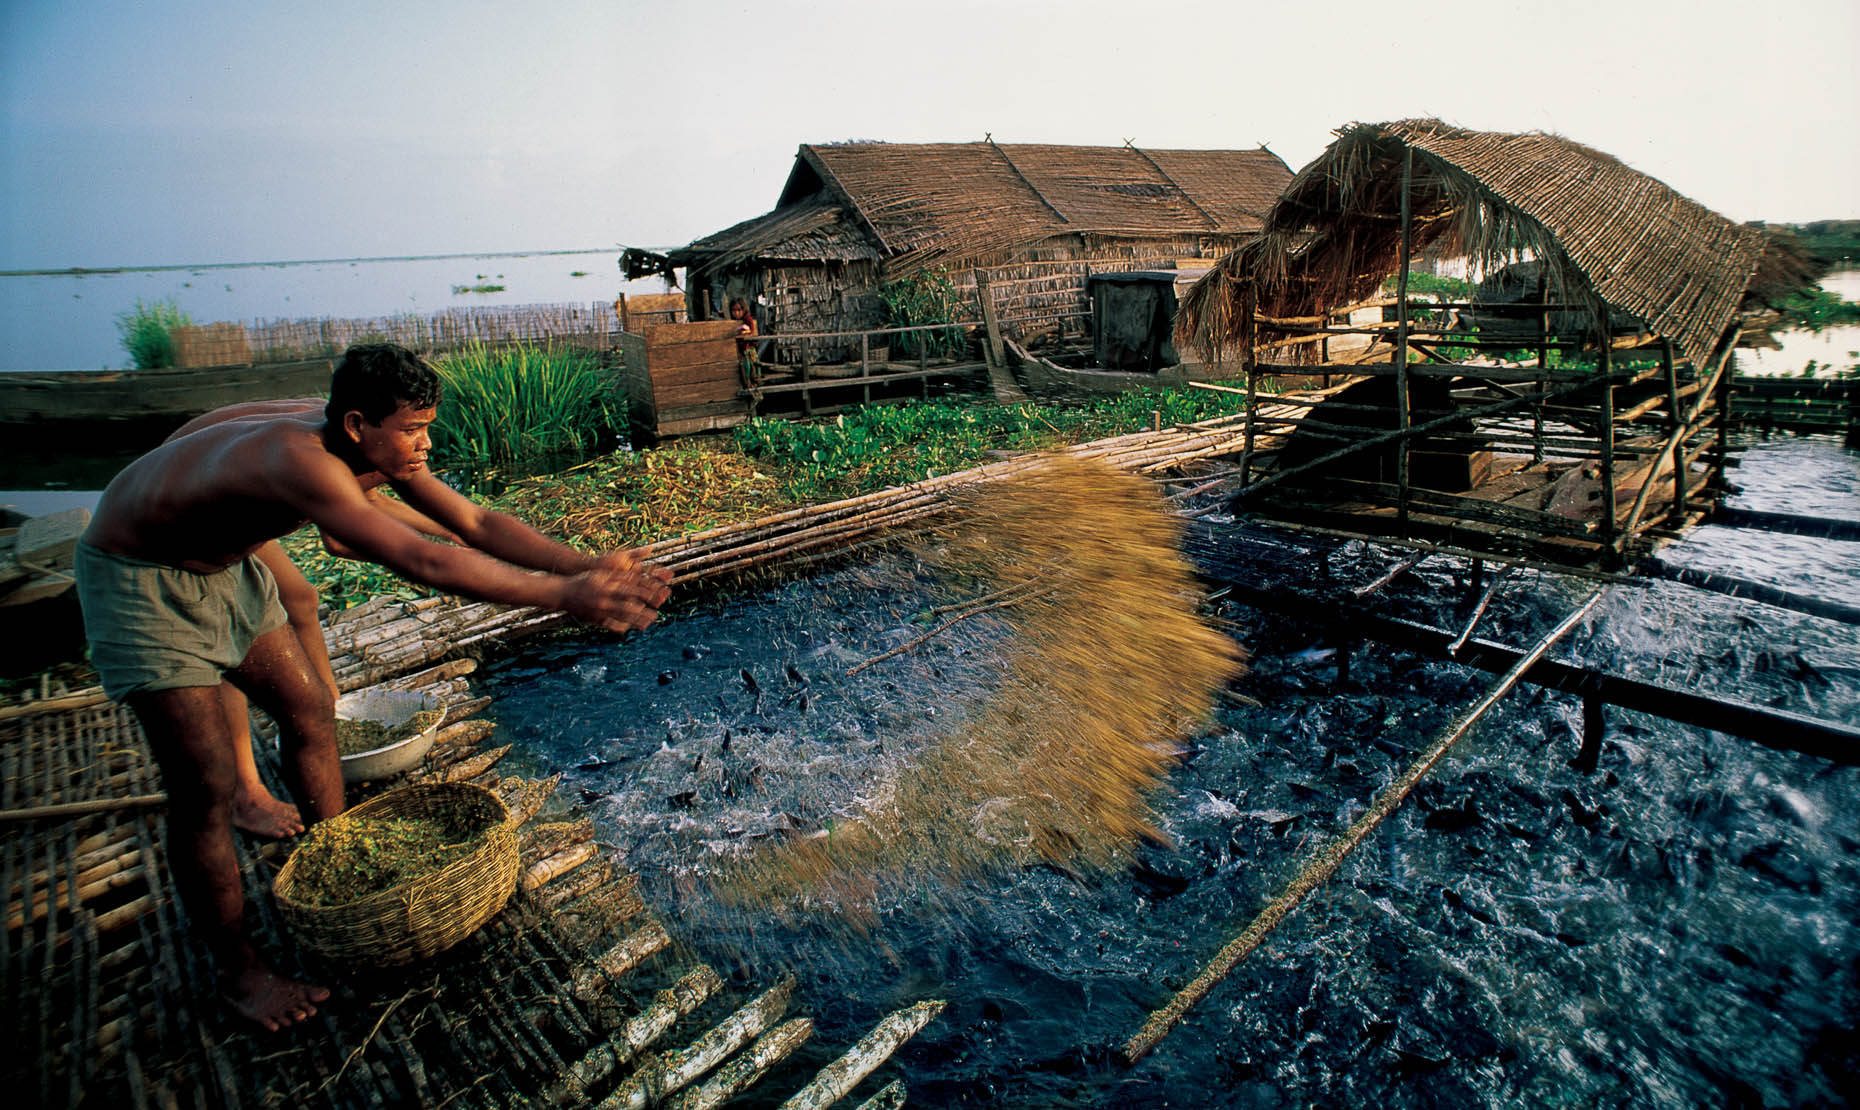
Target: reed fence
point(591, 325)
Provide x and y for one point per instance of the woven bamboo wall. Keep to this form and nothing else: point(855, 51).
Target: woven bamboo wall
point(1035, 287)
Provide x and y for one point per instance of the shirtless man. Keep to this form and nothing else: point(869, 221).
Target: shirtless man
point(175, 599)
point(254, 809)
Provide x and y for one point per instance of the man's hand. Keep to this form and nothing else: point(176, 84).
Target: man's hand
point(629, 562)
point(617, 599)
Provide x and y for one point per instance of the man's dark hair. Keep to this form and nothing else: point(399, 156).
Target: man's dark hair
point(374, 379)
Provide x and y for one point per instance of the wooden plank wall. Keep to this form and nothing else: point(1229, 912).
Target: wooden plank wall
point(690, 378)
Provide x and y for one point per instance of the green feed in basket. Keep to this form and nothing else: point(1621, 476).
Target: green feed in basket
point(347, 859)
point(356, 737)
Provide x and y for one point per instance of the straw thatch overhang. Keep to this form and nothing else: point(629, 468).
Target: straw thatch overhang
point(1606, 232)
point(919, 205)
point(815, 230)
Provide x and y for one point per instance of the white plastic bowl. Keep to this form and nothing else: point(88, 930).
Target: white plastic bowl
point(390, 708)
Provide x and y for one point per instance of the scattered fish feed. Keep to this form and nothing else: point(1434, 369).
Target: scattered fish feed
point(1107, 667)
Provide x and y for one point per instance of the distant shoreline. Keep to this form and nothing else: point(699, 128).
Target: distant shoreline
point(80, 271)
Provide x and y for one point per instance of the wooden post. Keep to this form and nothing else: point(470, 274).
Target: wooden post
point(807, 394)
point(865, 364)
point(1719, 479)
point(1251, 369)
point(1401, 343)
point(1594, 724)
point(1543, 364)
point(1607, 366)
point(1677, 421)
point(990, 323)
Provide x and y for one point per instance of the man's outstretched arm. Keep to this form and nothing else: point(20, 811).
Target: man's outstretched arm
point(604, 595)
point(490, 531)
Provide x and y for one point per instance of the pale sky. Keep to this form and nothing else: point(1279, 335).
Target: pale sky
point(138, 132)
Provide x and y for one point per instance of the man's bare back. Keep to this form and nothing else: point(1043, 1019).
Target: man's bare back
point(205, 500)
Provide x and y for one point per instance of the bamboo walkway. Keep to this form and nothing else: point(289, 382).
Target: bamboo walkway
point(564, 999)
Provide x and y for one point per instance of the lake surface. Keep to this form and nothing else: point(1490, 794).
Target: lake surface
point(67, 321)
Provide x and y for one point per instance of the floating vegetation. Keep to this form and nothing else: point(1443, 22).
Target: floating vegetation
point(1106, 667)
point(356, 737)
point(347, 859)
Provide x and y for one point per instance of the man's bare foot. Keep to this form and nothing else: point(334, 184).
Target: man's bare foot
point(263, 815)
point(266, 998)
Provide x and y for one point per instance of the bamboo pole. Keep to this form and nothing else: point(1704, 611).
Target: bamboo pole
point(557, 865)
point(638, 1033)
point(770, 1049)
point(628, 953)
point(63, 810)
point(546, 839)
point(1672, 446)
point(585, 879)
point(834, 1081)
point(672, 1071)
point(472, 768)
point(1331, 856)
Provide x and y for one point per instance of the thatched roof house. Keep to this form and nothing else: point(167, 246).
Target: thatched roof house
point(1603, 229)
point(1037, 219)
point(1574, 442)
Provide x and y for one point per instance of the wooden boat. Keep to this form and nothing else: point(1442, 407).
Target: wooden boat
point(170, 396)
point(37, 553)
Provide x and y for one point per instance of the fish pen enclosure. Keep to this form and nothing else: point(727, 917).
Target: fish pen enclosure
point(592, 326)
point(1576, 427)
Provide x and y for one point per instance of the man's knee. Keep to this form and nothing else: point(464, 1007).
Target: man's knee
point(299, 599)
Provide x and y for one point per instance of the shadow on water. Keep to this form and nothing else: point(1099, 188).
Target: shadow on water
point(1676, 929)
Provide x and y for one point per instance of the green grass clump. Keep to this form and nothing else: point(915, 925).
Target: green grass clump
point(517, 407)
point(147, 332)
point(481, 287)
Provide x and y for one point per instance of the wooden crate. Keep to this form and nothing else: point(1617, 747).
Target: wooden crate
point(683, 378)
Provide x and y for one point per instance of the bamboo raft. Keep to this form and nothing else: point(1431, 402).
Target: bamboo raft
point(565, 998)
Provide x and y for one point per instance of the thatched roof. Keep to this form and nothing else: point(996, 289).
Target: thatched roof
point(1604, 230)
point(914, 205)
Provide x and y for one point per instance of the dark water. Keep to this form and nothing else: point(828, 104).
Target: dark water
point(1677, 929)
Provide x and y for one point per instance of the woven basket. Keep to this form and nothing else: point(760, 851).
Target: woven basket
point(417, 919)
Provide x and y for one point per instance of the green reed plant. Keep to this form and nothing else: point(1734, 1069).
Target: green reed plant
point(147, 332)
point(523, 406)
